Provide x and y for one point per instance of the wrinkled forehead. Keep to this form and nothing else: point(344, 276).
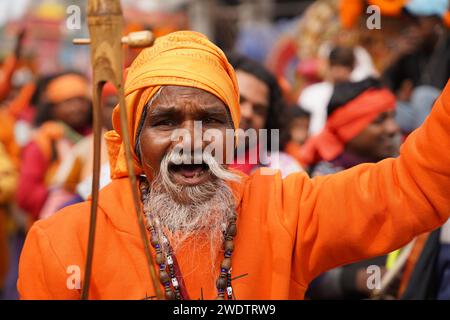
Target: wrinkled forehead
point(172, 100)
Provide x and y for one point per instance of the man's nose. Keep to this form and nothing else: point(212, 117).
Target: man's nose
point(246, 110)
point(193, 135)
point(391, 127)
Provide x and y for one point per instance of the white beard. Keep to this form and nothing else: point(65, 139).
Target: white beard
point(182, 212)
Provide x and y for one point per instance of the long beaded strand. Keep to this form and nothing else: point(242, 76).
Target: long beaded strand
point(169, 280)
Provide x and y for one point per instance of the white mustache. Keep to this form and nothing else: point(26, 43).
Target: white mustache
point(177, 158)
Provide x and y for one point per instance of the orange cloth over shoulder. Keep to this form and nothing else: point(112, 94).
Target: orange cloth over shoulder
point(7, 71)
point(288, 230)
point(183, 58)
point(7, 138)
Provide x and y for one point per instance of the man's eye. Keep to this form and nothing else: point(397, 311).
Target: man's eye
point(166, 122)
point(380, 119)
point(212, 120)
point(260, 109)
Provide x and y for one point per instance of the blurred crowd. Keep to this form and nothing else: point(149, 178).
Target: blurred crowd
point(340, 92)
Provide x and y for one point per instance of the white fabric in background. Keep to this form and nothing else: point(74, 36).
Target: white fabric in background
point(314, 99)
point(445, 233)
point(12, 10)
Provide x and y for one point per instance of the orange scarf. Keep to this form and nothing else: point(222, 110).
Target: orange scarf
point(351, 10)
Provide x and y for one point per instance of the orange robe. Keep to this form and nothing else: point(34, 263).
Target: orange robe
point(8, 118)
point(7, 138)
point(8, 68)
point(289, 231)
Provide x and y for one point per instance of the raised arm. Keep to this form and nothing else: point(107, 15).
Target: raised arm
point(372, 209)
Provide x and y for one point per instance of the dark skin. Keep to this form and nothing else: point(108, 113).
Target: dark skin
point(73, 112)
point(299, 129)
point(254, 101)
point(177, 107)
point(378, 140)
point(19, 43)
point(340, 73)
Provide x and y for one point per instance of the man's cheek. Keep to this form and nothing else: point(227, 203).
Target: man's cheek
point(259, 123)
point(224, 145)
point(153, 149)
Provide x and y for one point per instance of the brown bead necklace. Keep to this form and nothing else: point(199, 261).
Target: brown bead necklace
point(167, 274)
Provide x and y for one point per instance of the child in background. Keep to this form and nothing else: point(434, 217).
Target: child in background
point(298, 121)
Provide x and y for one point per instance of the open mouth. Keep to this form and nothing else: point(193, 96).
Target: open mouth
point(189, 174)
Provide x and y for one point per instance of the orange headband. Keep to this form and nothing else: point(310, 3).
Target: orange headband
point(346, 123)
point(67, 87)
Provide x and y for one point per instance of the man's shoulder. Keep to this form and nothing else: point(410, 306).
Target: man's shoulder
point(79, 213)
point(268, 178)
point(66, 221)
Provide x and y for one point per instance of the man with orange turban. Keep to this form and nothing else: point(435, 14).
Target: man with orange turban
point(215, 233)
point(62, 119)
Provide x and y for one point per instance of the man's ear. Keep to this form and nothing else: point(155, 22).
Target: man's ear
point(137, 150)
point(137, 145)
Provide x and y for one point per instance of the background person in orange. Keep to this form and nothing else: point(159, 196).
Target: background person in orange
point(82, 156)
point(62, 118)
point(279, 234)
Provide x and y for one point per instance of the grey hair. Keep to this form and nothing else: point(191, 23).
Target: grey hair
point(182, 212)
point(137, 145)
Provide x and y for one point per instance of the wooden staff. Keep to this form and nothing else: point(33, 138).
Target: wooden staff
point(105, 22)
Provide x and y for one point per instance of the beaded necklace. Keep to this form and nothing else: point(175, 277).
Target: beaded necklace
point(167, 274)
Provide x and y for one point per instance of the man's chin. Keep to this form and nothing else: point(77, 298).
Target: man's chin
point(191, 190)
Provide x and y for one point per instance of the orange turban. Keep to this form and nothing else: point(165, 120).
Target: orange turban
point(391, 8)
point(183, 58)
point(346, 123)
point(351, 10)
point(66, 87)
point(446, 18)
point(108, 90)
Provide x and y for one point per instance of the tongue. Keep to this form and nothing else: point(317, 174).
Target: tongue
point(190, 171)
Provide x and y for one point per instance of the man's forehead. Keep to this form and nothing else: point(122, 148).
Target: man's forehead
point(252, 88)
point(178, 98)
